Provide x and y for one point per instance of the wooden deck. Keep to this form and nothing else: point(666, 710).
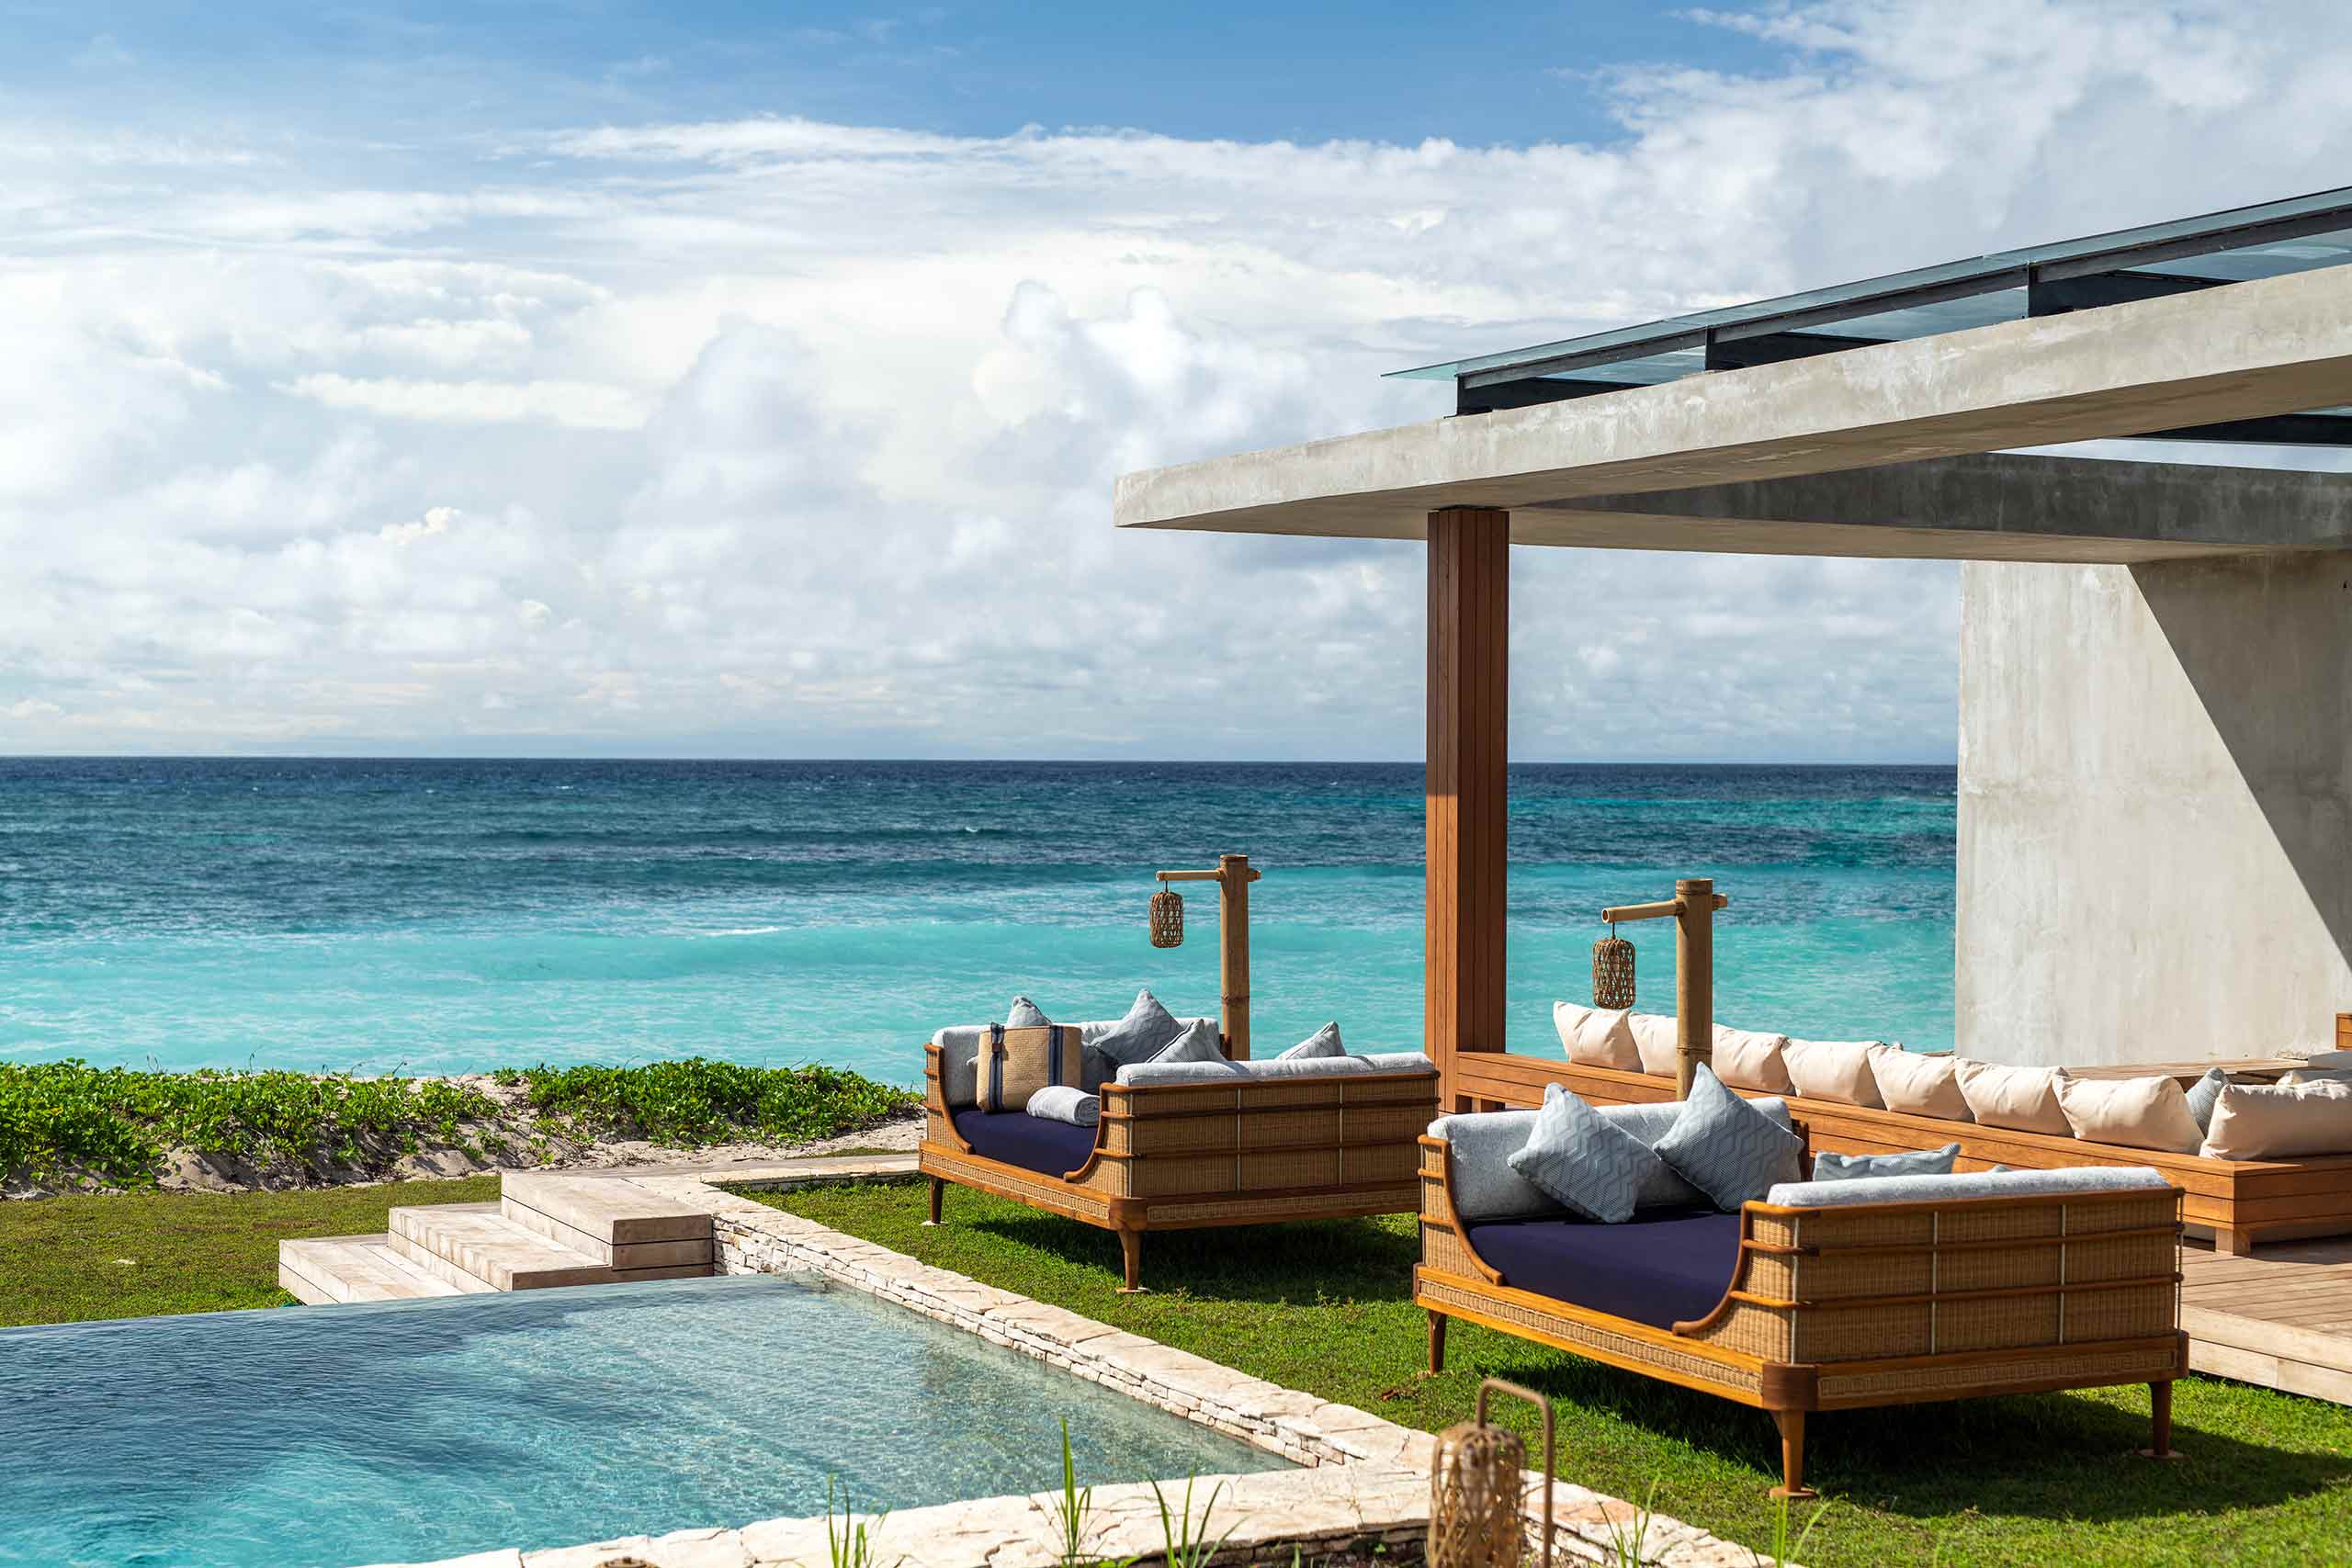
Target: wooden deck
point(2282, 1318)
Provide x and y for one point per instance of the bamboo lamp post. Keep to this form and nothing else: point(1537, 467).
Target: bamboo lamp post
point(1233, 876)
point(1694, 909)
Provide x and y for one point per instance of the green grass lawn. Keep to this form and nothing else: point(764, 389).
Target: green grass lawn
point(1327, 1308)
point(137, 1253)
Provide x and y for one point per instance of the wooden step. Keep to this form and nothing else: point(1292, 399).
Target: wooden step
point(610, 1211)
point(457, 1241)
point(319, 1270)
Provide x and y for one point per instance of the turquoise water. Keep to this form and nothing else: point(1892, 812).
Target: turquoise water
point(417, 1430)
point(448, 916)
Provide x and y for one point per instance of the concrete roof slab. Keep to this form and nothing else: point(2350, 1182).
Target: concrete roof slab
point(2246, 350)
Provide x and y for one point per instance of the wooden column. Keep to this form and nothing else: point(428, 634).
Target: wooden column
point(1233, 880)
point(1694, 981)
point(1467, 797)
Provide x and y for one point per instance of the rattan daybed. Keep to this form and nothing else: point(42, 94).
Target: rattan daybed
point(1832, 1303)
point(1187, 1146)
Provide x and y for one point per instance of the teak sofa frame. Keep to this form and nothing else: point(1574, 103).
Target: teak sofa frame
point(2237, 1202)
point(1191, 1155)
point(1884, 1304)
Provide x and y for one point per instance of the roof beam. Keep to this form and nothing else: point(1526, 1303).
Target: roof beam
point(2056, 295)
point(2254, 350)
point(2000, 506)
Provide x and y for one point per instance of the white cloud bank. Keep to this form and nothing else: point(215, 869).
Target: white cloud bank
point(777, 437)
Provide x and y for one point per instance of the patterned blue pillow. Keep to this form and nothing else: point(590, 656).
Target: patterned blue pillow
point(1139, 1036)
point(1324, 1041)
point(1583, 1159)
point(1198, 1043)
point(2205, 1094)
point(1854, 1168)
point(1727, 1148)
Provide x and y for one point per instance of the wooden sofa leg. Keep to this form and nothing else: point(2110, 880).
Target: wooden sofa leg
point(1437, 1343)
point(1791, 1426)
point(938, 1192)
point(1131, 1261)
point(2233, 1243)
point(2160, 1421)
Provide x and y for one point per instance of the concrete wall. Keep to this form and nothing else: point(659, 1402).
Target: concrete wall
point(2156, 809)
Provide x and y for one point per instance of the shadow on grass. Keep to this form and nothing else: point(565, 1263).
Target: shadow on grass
point(1272, 1265)
point(2065, 1457)
point(2061, 1457)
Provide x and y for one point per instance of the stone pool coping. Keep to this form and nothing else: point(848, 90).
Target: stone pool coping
point(1362, 1478)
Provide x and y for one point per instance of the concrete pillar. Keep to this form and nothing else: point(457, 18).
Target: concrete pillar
point(2156, 809)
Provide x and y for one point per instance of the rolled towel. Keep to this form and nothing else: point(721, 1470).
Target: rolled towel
point(1061, 1102)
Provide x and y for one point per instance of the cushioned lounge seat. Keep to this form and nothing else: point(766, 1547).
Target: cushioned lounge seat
point(1050, 1148)
point(1662, 1267)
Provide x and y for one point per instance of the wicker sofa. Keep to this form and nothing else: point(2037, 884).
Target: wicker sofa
point(1825, 1296)
point(1189, 1145)
point(2236, 1203)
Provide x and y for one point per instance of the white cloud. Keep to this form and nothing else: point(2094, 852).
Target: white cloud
point(578, 404)
point(776, 434)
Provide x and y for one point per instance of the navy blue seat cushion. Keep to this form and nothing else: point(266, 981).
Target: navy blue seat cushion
point(1662, 1267)
point(1054, 1148)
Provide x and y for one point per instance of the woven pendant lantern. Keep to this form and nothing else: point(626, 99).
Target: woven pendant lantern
point(1612, 971)
point(1475, 1519)
point(1166, 919)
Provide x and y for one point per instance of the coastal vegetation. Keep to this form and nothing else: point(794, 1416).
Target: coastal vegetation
point(71, 1126)
point(1327, 1308)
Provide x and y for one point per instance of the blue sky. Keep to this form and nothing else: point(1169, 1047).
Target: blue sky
point(745, 381)
point(1504, 73)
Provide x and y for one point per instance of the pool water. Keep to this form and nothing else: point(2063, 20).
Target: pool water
point(415, 1430)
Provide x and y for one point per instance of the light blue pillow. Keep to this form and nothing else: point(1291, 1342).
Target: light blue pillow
point(1147, 1029)
point(2205, 1094)
point(1198, 1043)
point(1324, 1041)
point(1580, 1158)
point(1855, 1168)
point(1727, 1148)
point(1024, 1014)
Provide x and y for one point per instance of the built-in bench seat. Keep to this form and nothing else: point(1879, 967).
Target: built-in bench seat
point(2236, 1203)
point(1185, 1146)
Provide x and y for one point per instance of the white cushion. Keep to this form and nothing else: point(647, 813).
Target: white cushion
point(2281, 1121)
point(1596, 1037)
point(1654, 1040)
point(1920, 1084)
point(1837, 1070)
point(1970, 1184)
point(2138, 1113)
point(1749, 1059)
point(2024, 1099)
point(1062, 1102)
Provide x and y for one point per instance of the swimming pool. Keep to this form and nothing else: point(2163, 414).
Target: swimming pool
point(407, 1430)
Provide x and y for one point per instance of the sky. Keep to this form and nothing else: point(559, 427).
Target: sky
point(751, 379)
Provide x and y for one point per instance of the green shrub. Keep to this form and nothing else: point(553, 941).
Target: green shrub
point(690, 1103)
point(115, 1126)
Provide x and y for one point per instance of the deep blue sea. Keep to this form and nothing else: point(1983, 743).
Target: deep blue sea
point(450, 915)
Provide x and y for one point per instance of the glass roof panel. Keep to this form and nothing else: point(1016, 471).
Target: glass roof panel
point(2236, 245)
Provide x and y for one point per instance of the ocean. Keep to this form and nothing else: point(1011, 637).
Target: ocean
point(448, 916)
